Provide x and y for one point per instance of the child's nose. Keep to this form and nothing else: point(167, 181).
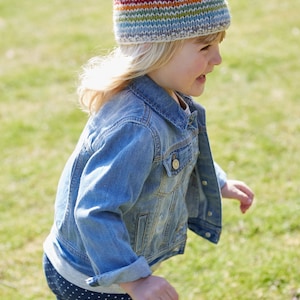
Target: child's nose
point(217, 58)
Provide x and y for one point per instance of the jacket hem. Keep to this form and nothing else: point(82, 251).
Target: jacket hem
point(73, 275)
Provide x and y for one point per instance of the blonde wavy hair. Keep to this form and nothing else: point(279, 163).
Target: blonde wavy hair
point(103, 77)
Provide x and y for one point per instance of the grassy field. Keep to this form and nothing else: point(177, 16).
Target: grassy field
point(253, 111)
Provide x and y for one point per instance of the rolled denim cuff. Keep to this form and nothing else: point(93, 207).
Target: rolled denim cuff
point(138, 269)
point(221, 175)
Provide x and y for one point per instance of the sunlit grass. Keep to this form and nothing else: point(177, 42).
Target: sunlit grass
point(253, 110)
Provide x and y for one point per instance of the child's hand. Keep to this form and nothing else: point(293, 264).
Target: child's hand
point(234, 189)
point(152, 287)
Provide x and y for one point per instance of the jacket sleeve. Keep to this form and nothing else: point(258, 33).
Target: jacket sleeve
point(221, 175)
point(110, 185)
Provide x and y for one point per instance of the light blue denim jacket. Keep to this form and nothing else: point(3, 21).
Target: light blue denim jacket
point(141, 174)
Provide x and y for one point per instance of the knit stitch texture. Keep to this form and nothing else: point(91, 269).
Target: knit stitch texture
point(140, 21)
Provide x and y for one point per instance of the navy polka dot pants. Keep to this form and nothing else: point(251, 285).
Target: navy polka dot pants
point(65, 290)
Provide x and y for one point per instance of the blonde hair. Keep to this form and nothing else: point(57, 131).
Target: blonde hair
point(103, 77)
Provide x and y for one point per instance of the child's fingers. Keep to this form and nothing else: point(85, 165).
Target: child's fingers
point(245, 189)
point(246, 204)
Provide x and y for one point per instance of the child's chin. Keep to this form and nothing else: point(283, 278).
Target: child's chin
point(198, 94)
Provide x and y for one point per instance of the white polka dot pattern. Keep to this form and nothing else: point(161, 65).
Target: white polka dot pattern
point(65, 290)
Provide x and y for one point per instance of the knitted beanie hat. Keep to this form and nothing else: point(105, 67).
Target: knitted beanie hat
point(141, 21)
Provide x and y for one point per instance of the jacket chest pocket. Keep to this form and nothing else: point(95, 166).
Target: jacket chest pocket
point(177, 165)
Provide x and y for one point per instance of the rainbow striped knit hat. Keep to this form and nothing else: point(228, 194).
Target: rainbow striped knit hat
point(142, 21)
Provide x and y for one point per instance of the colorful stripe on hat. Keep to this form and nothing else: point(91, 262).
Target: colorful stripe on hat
point(158, 21)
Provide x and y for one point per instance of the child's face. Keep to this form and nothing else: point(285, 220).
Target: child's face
point(186, 71)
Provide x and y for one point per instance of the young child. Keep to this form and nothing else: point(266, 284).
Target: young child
point(142, 171)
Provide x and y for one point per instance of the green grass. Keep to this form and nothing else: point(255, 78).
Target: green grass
point(253, 110)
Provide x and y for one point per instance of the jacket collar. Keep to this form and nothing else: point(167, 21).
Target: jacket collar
point(160, 101)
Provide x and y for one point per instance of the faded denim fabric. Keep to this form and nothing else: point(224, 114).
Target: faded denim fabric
point(140, 175)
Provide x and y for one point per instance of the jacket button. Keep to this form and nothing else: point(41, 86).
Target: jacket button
point(204, 182)
point(207, 234)
point(209, 213)
point(175, 164)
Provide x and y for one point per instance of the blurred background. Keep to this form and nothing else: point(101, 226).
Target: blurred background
point(253, 110)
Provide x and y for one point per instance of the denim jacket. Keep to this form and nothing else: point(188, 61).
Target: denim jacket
point(140, 175)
